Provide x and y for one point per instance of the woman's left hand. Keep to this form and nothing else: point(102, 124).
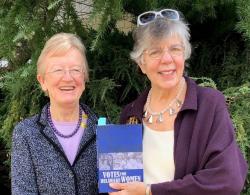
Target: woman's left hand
point(132, 188)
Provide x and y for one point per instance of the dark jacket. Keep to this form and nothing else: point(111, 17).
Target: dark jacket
point(39, 165)
point(207, 158)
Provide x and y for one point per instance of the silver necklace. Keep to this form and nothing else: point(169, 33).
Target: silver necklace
point(175, 103)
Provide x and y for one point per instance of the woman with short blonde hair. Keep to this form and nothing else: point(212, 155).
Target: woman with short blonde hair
point(54, 152)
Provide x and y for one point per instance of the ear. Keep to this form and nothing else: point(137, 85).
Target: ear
point(41, 80)
point(142, 64)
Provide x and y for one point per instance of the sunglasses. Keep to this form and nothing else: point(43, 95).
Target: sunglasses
point(147, 17)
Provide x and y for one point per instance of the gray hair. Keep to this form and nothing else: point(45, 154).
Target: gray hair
point(157, 30)
point(58, 44)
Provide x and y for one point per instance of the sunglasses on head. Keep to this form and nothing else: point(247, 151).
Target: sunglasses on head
point(147, 17)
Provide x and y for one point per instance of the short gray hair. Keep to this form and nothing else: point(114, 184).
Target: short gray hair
point(59, 44)
point(157, 30)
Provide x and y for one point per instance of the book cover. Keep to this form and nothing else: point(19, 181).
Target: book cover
point(119, 152)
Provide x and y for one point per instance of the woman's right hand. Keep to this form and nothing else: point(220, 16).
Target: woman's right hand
point(132, 188)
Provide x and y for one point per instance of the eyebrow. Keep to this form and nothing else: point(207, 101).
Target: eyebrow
point(62, 65)
point(174, 45)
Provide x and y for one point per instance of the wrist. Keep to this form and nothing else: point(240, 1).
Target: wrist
point(148, 189)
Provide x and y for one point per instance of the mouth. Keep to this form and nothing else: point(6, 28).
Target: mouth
point(67, 88)
point(166, 72)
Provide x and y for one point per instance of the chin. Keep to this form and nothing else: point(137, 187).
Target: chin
point(66, 102)
point(169, 84)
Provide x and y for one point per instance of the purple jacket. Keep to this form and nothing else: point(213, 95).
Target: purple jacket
point(207, 158)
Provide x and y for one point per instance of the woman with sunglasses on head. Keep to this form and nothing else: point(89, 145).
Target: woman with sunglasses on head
point(189, 146)
point(54, 152)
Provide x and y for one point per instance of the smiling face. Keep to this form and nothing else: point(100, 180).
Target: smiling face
point(163, 62)
point(63, 77)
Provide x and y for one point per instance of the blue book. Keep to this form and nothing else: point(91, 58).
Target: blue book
point(119, 154)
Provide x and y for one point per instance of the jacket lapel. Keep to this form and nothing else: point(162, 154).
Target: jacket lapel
point(90, 130)
point(46, 130)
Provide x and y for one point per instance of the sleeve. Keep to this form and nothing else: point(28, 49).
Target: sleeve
point(223, 169)
point(123, 115)
point(23, 177)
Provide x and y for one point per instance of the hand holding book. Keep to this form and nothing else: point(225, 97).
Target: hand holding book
point(132, 188)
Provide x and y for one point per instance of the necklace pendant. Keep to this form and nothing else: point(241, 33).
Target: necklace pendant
point(150, 119)
point(160, 118)
point(178, 103)
point(171, 111)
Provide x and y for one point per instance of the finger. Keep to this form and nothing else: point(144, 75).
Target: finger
point(118, 186)
point(113, 193)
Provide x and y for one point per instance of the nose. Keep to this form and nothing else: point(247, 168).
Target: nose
point(67, 75)
point(166, 57)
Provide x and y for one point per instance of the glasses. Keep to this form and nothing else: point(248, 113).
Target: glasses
point(75, 72)
point(147, 17)
point(157, 53)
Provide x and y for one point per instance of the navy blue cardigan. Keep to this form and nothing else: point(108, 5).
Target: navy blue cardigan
point(207, 158)
point(39, 165)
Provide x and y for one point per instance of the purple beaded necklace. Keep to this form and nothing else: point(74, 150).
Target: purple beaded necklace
point(59, 133)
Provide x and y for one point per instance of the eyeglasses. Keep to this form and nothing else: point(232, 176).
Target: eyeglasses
point(157, 53)
point(147, 17)
point(59, 72)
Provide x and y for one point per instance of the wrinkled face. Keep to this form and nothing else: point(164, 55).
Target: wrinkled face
point(63, 78)
point(163, 62)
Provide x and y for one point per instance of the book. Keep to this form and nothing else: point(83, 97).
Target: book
point(119, 155)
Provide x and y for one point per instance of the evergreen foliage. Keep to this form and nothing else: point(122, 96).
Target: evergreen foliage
point(220, 34)
point(239, 106)
point(243, 12)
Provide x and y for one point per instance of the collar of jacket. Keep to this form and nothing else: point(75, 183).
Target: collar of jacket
point(135, 109)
